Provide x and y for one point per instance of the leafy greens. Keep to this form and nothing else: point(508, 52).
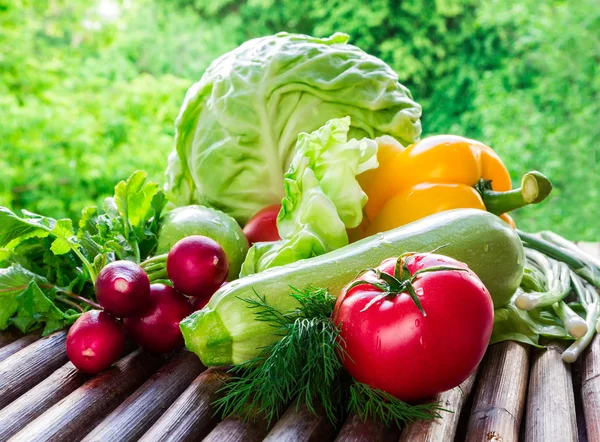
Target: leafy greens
point(237, 128)
point(47, 270)
point(322, 197)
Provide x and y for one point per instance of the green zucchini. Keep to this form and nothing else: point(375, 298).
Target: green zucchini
point(226, 331)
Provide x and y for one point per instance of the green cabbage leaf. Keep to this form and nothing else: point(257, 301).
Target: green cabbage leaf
point(238, 126)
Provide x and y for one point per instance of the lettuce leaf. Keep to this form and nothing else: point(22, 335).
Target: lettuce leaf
point(513, 324)
point(322, 197)
point(237, 128)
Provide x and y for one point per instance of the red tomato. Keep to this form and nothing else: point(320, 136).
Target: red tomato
point(392, 346)
point(263, 225)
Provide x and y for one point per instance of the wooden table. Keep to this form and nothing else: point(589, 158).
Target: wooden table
point(518, 393)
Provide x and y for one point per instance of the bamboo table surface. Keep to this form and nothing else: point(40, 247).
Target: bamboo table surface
point(517, 394)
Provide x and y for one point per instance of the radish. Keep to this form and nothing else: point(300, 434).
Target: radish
point(198, 303)
point(122, 288)
point(95, 341)
point(197, 266)
point(156, 329)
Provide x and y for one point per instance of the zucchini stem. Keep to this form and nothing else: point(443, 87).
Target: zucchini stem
point(535, 187)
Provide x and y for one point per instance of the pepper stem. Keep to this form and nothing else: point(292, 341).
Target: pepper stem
point(535, 187)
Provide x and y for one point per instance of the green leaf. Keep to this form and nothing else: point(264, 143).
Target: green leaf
point(35, 309)
point(134, 199)
point(13, 281)
point(14, 230)
point(64, 242)
point(513, 324)
point(322, 197)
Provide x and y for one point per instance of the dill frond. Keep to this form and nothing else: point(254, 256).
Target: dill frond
point(370, 403)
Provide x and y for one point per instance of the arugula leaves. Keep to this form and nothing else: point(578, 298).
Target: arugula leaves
point(50, 268)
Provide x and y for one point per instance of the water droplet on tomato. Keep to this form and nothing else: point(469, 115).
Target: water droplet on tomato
point(422, 342)
point(417, 322)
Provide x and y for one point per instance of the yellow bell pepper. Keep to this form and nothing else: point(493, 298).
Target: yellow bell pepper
point(440, 173)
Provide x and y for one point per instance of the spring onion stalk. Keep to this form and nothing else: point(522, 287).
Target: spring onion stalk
point(568, 245)
point(557, 276)
point(575, 325)
point(578, 262)
point(590, 301)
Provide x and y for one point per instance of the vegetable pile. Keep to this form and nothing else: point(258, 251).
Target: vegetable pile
point(311, 241)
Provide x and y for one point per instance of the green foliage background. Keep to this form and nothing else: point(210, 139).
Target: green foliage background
point(85, 99)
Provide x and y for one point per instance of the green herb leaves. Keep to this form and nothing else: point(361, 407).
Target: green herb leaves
point(304, 367)
point(15, 230)
point(35, 308)
point(369, 403)
point(51, 269)
point(13, 281)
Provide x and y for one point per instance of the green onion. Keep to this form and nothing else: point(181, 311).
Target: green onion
point(589, 299)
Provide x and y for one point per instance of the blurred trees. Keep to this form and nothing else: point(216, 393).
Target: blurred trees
point(86, 100)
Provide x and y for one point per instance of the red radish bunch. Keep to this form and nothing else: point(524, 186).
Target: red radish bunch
point(122, 288)
point(95, 341)
point(156, 328)
point(197, 266)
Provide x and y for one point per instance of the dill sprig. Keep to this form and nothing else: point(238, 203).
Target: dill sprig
point(370, 403)
point(304, 366)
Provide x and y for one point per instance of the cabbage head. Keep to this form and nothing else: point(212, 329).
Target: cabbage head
point(238, 126)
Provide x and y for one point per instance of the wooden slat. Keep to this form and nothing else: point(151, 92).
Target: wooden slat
point(19, 344)
point(191, 416)
point(75, 416)
point(140, 411)
point(23, 370)
point(9, 335)
point(550, 399)
point(233, 429)
point(445, 428)
point(590, 376)
point(29, 406)
point(590, 389)
point(299, 424)
point(357, 430)
point(500, 394)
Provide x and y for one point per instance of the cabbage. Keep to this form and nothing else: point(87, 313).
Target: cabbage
point(237, 128)
point(322, 197)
